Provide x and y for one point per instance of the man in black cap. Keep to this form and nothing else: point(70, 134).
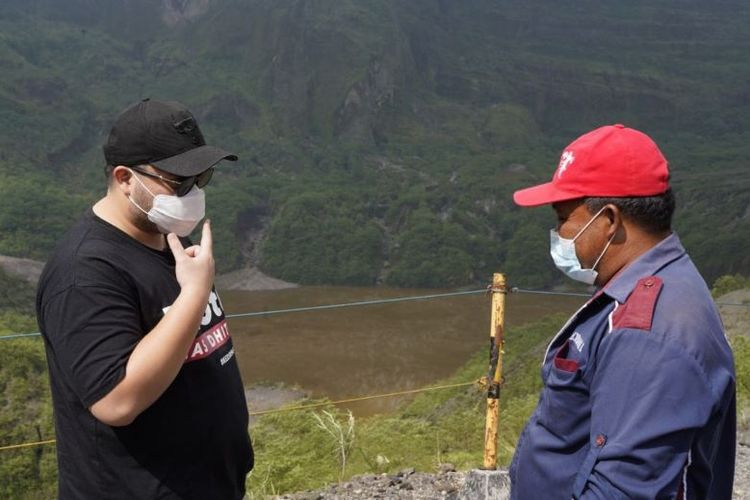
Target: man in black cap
point(147, 394)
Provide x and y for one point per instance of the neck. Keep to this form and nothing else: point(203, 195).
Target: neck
point(623, 253)
point(118, 213)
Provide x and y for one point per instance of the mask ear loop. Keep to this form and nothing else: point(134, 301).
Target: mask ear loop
point(144, 187)
point(588, 223)
point(603, 252)
point(585, 227)
point(609, 242)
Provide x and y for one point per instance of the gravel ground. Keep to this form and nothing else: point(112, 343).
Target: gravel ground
point(402, 485)
point(261, 397)
point(447, 484)
point(742, 472)
point(27, 269)
point(250, 279)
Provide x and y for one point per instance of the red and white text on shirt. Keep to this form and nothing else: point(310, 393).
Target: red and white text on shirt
point(208, 342)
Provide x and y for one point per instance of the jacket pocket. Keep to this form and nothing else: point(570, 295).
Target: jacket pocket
point(561, 360)
point(565, 400)
point(588, 464)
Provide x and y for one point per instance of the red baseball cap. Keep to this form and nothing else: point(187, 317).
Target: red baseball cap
point(611, 161)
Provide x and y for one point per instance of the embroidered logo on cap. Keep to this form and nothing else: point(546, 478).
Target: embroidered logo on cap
point(566, 160)
point(189, 128)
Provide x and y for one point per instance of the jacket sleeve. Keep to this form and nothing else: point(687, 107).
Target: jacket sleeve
point(648, 399)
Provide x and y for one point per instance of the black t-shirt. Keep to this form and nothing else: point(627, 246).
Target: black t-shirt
point(99, 294)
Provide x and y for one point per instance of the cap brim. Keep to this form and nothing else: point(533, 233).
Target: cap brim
point(194, 161)
point(543, 194)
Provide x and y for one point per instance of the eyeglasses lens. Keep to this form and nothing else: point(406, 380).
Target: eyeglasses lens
point(204, 177)
point(199, 180)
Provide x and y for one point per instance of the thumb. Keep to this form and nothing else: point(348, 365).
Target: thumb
point(176, 246)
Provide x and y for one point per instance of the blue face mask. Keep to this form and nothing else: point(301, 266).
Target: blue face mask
point(563, 252)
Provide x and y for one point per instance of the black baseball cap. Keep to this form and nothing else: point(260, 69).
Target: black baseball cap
point(163, 134)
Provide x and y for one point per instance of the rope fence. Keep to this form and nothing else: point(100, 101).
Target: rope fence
point(365, 398)
point(382, 301)
point(480, 382)
point(318, 308)
point(27, 445)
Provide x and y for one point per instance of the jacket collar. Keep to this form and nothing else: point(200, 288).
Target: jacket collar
point(622, 284)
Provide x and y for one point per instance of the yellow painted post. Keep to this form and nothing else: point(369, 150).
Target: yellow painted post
point(496, 369)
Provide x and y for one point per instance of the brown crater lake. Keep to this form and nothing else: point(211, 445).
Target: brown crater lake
point(365, 350)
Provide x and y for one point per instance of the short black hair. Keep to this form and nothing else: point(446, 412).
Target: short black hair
point(108, 169)
point(652, 213)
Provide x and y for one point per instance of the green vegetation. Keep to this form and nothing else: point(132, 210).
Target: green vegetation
point(402, 128)
point(741, 349)
point(726, 284)
point(326, 237)
point(431, 253)
point(25, 405)
point(25, 414)
point(16, 296)
point(297, 451)
point(445, 426)
point(379, 143)
point(737, 324)
point(34, 212)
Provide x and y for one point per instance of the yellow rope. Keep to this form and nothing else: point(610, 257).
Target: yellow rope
point(26, 445)
point(293, 408)
point(362, 398)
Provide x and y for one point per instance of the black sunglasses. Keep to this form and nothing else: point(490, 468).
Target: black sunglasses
point(183, 185)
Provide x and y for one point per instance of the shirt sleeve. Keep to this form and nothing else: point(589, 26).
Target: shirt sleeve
point(648, 400)
point(91, 331)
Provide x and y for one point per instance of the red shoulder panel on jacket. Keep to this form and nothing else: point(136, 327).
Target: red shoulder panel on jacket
point(638, 311)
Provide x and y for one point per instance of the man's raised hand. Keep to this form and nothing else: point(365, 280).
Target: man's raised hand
point(194, 266)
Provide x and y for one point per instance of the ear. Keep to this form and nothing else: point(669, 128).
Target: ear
point(123, 178)
point(613, 216)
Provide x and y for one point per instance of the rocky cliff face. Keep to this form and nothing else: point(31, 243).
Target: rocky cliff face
point(344, 69)
point(176, 12)
point(453, 91)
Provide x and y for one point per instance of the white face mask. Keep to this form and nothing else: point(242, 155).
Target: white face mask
point(175, 214)
point(563, 252)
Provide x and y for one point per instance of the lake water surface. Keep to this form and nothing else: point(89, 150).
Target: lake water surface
point(374, 349)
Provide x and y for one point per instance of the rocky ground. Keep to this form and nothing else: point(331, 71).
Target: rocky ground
point(409, 484)
point(736, 320)
point(734, 314)
point(263, 397)
point(742, 471)
point(242, 279)
point(449, 484)
point(250, 279)
point(28, 269)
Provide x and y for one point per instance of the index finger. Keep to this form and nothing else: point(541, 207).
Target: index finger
point(206, 238)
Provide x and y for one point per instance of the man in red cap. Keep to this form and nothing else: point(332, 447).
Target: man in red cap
point(639, 386)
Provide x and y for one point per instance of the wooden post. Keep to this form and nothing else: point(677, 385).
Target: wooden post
point(495, 372)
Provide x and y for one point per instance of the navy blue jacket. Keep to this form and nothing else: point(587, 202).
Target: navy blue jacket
point(639, 393)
